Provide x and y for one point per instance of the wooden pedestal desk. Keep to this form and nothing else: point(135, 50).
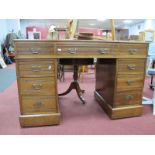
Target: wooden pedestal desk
point(120, 72)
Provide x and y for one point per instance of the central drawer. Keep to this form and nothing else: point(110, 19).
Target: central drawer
point(129, 82)
point(37, 86)
point(88, 49)
point(36, 68)
point(38, 104)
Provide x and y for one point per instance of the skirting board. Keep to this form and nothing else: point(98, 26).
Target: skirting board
point(39, 120)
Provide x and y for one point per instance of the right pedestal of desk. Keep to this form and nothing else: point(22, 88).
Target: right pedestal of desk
point(119, 86)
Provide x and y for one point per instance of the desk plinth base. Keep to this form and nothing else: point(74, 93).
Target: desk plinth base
point(39, 120)
point(121, 112)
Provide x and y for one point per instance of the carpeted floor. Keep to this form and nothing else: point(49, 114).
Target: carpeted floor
point(7, 77)
point(76, 118)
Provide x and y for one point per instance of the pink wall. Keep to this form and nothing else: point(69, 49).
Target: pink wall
point(44, 32)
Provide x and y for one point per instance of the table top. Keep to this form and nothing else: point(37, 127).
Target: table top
point(71, 40)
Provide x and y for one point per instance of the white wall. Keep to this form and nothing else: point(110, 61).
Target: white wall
point(3, 28)
point(146, 25)
point(6, 26)
point(135, 29)
point(13, 24)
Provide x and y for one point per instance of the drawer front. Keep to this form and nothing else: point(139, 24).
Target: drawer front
point(128, 98)
point(38, 104)
point(89, 49)
point(129, 82)
point(131, 66)
point(127, 49)
point(34, 49)
point(36, 68)
point(37, 86)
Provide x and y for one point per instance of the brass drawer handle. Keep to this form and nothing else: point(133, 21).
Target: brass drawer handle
point(37, 86)
point(131, 66)
point(72, 50)
point(38, 104)
point(35, 50)
point(129, 97)
point(132, 51)
point(36, 68)
point(103, 50)
point(129, 82)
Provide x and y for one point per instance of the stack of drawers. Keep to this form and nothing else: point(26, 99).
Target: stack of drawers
point(130, 77)
point(119, 81)
point(36, 76)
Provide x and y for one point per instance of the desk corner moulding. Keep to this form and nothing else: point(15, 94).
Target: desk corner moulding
point(120, 73)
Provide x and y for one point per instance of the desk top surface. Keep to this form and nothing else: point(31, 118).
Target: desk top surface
point(68, 40)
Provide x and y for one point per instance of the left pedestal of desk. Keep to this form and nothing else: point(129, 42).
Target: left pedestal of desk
point(37, 85)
